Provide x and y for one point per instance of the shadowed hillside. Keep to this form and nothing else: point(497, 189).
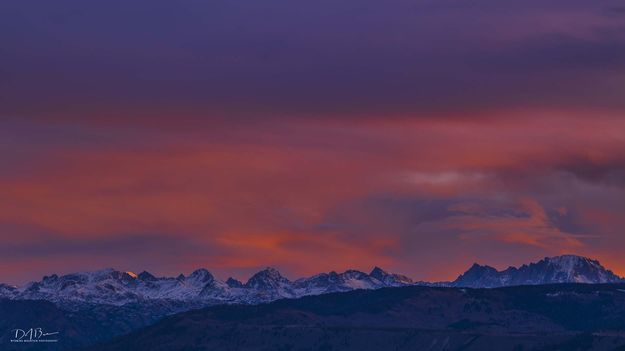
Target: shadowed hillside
point(550, 317)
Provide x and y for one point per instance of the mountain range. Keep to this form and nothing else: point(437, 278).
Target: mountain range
point(114, 287)
point(550, 270)
point(93, 307)
point(109, 286)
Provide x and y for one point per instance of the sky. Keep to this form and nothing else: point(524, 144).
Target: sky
point(420, 136)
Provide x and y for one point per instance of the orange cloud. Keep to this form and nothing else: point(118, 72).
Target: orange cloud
point(260, 195)
point(529, 226)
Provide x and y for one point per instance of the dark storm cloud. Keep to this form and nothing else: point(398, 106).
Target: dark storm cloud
point(247, 59)
point(409, 214)
point(611, 173)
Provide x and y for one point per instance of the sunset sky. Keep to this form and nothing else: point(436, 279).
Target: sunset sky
point(420, 136)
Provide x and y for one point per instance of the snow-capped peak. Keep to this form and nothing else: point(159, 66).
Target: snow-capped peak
point(377, 271)
point(267, 278)
point(201, 275)
point(146, 276)
point(578, 269)
point(558, 269)
point(568, 263)
point(389, 279)
point(110, 286)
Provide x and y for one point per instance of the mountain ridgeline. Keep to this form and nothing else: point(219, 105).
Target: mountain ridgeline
point(114, 287)
point(550, 270)
point(337, 308)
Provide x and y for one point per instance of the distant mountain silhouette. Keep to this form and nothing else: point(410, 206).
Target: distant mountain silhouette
point(89, 307)
point(550, 270)
point(114, 287)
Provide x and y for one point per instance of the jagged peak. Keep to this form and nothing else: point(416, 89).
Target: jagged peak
point(145, 275)
point(377, 271)
point(476, 270)
point(571, 262)
point(569, 258)
point(201, 274)
point(556, 269)
point(478, 267)
point(269, 272)
point(267, 277)
point(200, 271)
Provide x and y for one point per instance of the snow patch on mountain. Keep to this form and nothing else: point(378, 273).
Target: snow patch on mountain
point(109, 286)
point(550, 270)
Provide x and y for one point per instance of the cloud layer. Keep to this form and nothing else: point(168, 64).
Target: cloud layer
point(416, 135)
